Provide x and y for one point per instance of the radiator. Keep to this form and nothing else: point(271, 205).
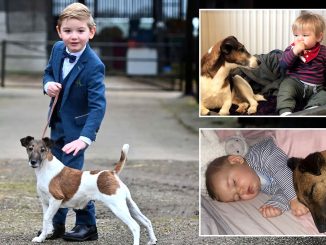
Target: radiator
point(260, 30)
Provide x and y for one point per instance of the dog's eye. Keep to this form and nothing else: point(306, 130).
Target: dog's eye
point(310, 194)
point(30, 148)
point(42, 149)
point(312, 191)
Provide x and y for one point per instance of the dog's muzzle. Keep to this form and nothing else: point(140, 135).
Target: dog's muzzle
point(253, 62)
point(33, 163)
point(308, 179)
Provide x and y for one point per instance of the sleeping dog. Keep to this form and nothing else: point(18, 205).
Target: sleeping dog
point(309, 178)
point(215, 87)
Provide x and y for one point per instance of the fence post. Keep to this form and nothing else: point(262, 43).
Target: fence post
point(3, 62)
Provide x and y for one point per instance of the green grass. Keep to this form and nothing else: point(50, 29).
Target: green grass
point(21, 187)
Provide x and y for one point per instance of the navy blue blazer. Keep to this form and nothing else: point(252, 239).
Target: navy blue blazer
point(83, 100)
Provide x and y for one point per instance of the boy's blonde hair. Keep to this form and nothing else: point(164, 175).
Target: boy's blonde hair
point(311, 21)
point(77, 11)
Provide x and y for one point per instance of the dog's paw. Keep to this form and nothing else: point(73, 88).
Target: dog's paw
point(242, 108)
point(38, 239)
point(204, 111)
point(252, 110)
point(152, 242)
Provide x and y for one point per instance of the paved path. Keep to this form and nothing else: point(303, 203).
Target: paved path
point(137, 113)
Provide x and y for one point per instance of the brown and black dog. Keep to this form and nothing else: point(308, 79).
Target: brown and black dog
point(309, 178)
point(215, 86)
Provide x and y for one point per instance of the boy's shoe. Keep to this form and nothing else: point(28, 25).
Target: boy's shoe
point(311, 107)
point(82, 233)
point(58, 232)
point(286, 113)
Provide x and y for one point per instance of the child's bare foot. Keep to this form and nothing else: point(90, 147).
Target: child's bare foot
point(298, 208)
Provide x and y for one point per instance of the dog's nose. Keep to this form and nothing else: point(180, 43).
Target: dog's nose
point(33, 162)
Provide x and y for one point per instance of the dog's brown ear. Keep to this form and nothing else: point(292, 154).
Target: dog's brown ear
point(229, 44)
point(234, 38)
point(312, 163)
point(48, 142)
point(226, 48)
point(293, 162)
point(209, 59)
point(25, 141)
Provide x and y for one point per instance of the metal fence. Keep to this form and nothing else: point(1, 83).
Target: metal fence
point(32, 13)
point(171, 9)
point(138, 60)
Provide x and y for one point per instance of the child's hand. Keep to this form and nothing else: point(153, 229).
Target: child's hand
point(74, 146)
point(298, 208)
point(53, 89)
point(269, 211)
point(298, 47)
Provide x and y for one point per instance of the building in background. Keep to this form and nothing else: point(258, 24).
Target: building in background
point(127, 31)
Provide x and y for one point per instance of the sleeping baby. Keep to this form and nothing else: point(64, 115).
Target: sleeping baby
point(264, 168)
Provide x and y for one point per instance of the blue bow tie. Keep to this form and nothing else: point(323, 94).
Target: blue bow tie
point(72, 58)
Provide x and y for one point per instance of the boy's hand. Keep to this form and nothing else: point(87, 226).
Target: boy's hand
point(298, 47)
point(298, 208)
point(53, 89)
point(74, 146)
point(269, 211)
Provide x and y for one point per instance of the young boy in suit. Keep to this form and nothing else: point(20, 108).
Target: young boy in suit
point(76, 75)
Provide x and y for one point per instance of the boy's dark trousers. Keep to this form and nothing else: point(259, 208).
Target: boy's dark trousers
point(293, 92)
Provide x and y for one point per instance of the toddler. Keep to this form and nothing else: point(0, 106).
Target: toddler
point(305, 64)
point(264, 168)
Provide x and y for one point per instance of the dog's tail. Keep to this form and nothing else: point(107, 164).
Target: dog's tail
point(259, 97)
point(119, 165)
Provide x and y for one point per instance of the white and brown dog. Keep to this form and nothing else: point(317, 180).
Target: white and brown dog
point(62, 187)
point(215, 85)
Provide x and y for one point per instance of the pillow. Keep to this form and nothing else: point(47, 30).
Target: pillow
point(210, 148)
point(300, 143)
